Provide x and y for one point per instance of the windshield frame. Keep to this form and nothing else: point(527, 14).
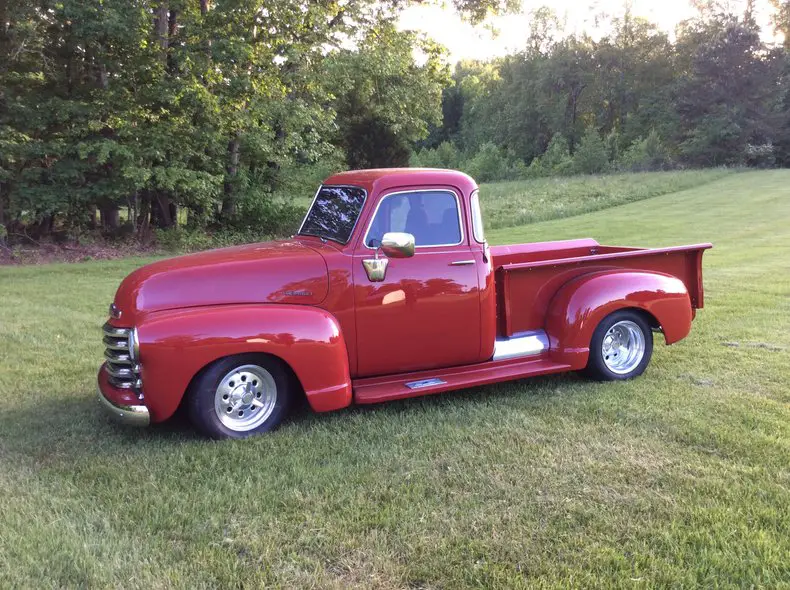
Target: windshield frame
point(356, 221)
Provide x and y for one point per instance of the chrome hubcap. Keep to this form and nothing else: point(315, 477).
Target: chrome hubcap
point(623, 347)
point(245, 398)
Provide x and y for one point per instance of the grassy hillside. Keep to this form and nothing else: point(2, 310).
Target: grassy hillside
point(509, 204)
point(681, 477)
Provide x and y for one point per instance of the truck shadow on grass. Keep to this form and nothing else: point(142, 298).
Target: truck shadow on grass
point(79, 430)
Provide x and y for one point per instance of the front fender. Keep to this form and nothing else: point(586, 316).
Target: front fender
point(581, 304)
point(176, 344)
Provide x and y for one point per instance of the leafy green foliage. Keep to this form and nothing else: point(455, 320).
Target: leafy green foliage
point(644, 155)
point(707, 99)
point(556, 161)
point(591, 156)
point(158, 105)
point(157, 111)
point(385, 101)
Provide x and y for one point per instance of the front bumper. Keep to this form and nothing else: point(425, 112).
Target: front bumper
point(120, 404)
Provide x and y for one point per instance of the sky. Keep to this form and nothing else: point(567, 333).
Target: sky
point(467, 42)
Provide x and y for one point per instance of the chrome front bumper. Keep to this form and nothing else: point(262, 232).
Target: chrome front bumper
point(131, 415)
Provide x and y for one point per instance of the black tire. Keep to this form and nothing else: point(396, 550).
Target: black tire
point(203, 395)
point(597, 366)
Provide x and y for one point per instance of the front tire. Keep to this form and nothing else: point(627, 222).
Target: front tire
point(239, 396)
point(621, 347)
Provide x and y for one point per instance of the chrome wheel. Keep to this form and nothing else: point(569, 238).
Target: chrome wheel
point(245, 398)
point(623, 347)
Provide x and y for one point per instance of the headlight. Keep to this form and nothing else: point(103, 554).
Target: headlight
point(134, 345)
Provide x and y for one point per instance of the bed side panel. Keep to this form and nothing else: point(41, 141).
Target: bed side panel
point(526, 289)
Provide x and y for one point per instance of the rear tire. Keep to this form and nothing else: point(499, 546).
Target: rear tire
point(239, 396)
point(621, 347)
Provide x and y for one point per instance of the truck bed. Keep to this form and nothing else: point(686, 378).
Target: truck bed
point(535, 272)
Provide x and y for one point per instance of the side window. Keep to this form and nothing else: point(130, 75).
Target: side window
point(477, 218)
point(432, 217)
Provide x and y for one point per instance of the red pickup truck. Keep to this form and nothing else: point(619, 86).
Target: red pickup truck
point(388, 290)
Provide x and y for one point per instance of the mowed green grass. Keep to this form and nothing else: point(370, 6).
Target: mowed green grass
point(680, 478)
point(509, 204)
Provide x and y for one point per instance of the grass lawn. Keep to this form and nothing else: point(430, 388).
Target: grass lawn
point(681, 477)
point(509, 204)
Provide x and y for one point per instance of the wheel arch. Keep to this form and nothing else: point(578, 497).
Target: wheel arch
point(293, 378)
point(582, 303)
point(176, 346)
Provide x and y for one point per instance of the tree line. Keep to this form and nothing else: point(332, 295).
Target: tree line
point(129, 115)
point(716, 95)
point(154, 111)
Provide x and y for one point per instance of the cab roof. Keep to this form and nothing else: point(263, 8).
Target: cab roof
point(379, 179)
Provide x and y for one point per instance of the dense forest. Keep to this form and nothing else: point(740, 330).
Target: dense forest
point(125, 116)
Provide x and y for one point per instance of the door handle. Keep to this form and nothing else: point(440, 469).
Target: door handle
point(462, 262)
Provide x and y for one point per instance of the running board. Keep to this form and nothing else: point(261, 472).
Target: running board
point(372, 390)
point(520, 345)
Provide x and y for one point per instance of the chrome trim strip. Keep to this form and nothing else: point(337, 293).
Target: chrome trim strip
point(425, 383)
point(356, 221)
point(117, 359)
point(131, 415)
point(427, 190)
point(315, 196)
point(114, 332)
point(522, 344)
point(115, 344)
point(476, 196)
point(122, 372)
point(462, 262)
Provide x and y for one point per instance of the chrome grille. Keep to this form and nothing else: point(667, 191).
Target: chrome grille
point(123, 371)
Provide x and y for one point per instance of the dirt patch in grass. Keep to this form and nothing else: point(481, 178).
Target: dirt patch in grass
point(46, 253)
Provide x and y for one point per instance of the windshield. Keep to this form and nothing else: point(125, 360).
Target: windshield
point(334, 213)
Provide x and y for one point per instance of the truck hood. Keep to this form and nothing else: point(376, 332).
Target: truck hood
point(285, 271)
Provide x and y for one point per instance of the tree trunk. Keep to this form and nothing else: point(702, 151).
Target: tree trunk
point(229, 200)
point(143, 221)
point(110, 218)
point(160, 29)
point(172, 30)
point(90, 215)
point(164, 211)
point(3, 193)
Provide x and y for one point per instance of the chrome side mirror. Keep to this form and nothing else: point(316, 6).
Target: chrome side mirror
point(393, 245)
point(397, 244)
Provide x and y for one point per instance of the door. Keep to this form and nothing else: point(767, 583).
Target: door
point(426, 312)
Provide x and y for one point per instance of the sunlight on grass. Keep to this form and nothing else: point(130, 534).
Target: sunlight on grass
point(680, 478)
point(509, 204)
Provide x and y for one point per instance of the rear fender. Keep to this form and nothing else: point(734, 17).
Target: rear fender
point(581, 304)
point(176, 344)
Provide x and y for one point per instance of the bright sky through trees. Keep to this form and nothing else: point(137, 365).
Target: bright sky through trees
point(506, 34)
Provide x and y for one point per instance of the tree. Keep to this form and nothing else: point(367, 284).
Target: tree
point(782, 19)
point(591, 156)
point(385, 101)
point(727, 93)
